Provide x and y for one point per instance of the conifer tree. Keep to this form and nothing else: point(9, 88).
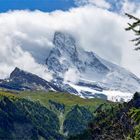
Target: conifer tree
point(135, 26)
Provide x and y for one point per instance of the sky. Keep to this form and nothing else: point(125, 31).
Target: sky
point(43, 5)
point(27, 28)
point(52, 5)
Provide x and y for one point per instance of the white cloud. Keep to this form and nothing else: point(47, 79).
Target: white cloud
point(98, 3)
point(26, 37)
point(130, 7)
point(18, 48)
point(71, 76)
point(12, 55)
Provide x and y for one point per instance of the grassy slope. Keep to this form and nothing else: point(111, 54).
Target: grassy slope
point(8, 94)
point(68, 100)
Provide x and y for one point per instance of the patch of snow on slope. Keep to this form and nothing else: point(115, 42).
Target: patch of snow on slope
point(115, 96)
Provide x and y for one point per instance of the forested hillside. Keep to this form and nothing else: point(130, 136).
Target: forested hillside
point(58, 116)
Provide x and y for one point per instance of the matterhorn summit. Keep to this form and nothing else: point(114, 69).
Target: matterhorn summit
point(94, 76)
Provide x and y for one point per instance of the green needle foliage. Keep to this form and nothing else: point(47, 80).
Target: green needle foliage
point(135, 27)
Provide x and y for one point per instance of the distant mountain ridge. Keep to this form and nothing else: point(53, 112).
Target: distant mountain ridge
point(25, 81)
point(78, 72)
point(22, 80)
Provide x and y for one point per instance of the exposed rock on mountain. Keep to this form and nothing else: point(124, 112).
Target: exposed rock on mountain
point(92, 74)
point(78, 72)
point(22, 80)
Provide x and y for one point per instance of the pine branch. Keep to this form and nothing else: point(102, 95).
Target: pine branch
point(133, 27)
point(132, 17)
point(136, 39)
point(138, 42)
point(137, 48)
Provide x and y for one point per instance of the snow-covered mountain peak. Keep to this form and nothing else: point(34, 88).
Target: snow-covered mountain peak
point(78, 72)
point(66, 55)
point(65, 43)
point(93, 71)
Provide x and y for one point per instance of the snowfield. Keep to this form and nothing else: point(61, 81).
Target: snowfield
point(115, 96)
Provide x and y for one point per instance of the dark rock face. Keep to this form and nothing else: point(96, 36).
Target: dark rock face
point(90, 85)
point(22, 80)
point(30, 81)
point(62, 87)
point(87, 94)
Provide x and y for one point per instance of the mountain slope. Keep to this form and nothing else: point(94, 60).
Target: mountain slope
point(88, 73)
point(78, 72)
point(22, 80)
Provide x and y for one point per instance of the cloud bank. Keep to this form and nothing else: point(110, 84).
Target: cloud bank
point(26, 37)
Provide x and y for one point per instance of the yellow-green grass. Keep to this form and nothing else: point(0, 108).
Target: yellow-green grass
point(67, 99)
point(10, 95)
point(64, 98)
